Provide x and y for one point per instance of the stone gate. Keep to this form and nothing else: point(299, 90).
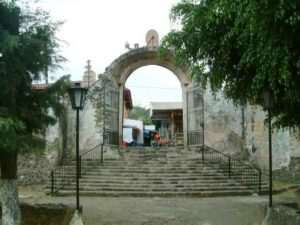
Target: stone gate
point(121, 68)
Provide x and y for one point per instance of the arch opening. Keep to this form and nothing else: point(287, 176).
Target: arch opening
point(157, 97)
point(121, 68)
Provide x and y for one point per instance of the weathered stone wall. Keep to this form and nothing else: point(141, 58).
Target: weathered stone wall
point(35, 167)
point(61, 137)
point(288, 173)
point(242, 132)
point(222, 121)
point(285, 144)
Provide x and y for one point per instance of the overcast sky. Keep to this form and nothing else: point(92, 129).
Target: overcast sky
point(97, 30)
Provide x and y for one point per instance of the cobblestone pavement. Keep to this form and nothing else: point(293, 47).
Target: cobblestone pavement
point(162, 211)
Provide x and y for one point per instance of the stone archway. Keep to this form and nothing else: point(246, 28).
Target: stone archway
point(121, 68)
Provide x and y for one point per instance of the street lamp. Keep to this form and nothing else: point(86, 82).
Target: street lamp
point(268, 104)
point(77, 96)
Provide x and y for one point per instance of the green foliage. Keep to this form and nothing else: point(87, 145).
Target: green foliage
point(29, 50)
point(140, 113)
point(9, 131)
point(242, 47)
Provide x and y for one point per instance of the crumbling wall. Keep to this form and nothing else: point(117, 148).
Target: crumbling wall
point(242, 133)
point(285, 144)
point(35, 168)
point(222, 124)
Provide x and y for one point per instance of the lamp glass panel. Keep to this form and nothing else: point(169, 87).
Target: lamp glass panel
point(83, 97)
point(77, 96)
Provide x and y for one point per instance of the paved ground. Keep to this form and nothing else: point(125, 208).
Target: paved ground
point(162, 211)
point(177, 211)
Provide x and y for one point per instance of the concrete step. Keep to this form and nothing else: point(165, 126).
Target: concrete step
point(158, 182)
point(163, 170)
point(157, 189)
point(155, 172)
point(157, 194)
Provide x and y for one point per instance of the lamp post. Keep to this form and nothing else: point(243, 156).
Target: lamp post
point(268, 104)
point(77, 96)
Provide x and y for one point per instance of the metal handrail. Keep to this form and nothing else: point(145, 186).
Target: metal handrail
point(235, 169)
point(91, 158)
point(64, 174)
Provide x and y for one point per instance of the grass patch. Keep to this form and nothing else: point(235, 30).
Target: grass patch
point(285, 184)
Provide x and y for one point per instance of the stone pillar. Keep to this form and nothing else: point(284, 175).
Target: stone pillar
point(184, 115)
point(121, 112)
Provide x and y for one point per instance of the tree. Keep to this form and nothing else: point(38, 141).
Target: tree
point(242, 47)
point(24, 110)
point(140, 113)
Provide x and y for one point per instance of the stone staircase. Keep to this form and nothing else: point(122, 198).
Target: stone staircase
point(152, 172)
point(179, 139)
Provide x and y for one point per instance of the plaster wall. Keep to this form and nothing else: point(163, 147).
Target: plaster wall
point(244, 134)
point(223, 124)
point(285, 144)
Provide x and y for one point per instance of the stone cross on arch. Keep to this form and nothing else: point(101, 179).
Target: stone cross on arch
point(152, 38)
point(89, 75)
point(88, 66)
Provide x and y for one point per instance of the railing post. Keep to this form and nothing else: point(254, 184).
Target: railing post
point(259, 180)
point(101, 160)
point(202, 153)
point(79, 166)
point(229, 167)
point(52, 183)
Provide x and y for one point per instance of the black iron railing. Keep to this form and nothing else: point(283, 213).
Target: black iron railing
point(65, 174)
point(62, 175)
point(237, 170)
point(196, 137)
point(90, 159)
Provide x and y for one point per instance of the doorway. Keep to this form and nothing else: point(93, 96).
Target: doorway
point(156, 95)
